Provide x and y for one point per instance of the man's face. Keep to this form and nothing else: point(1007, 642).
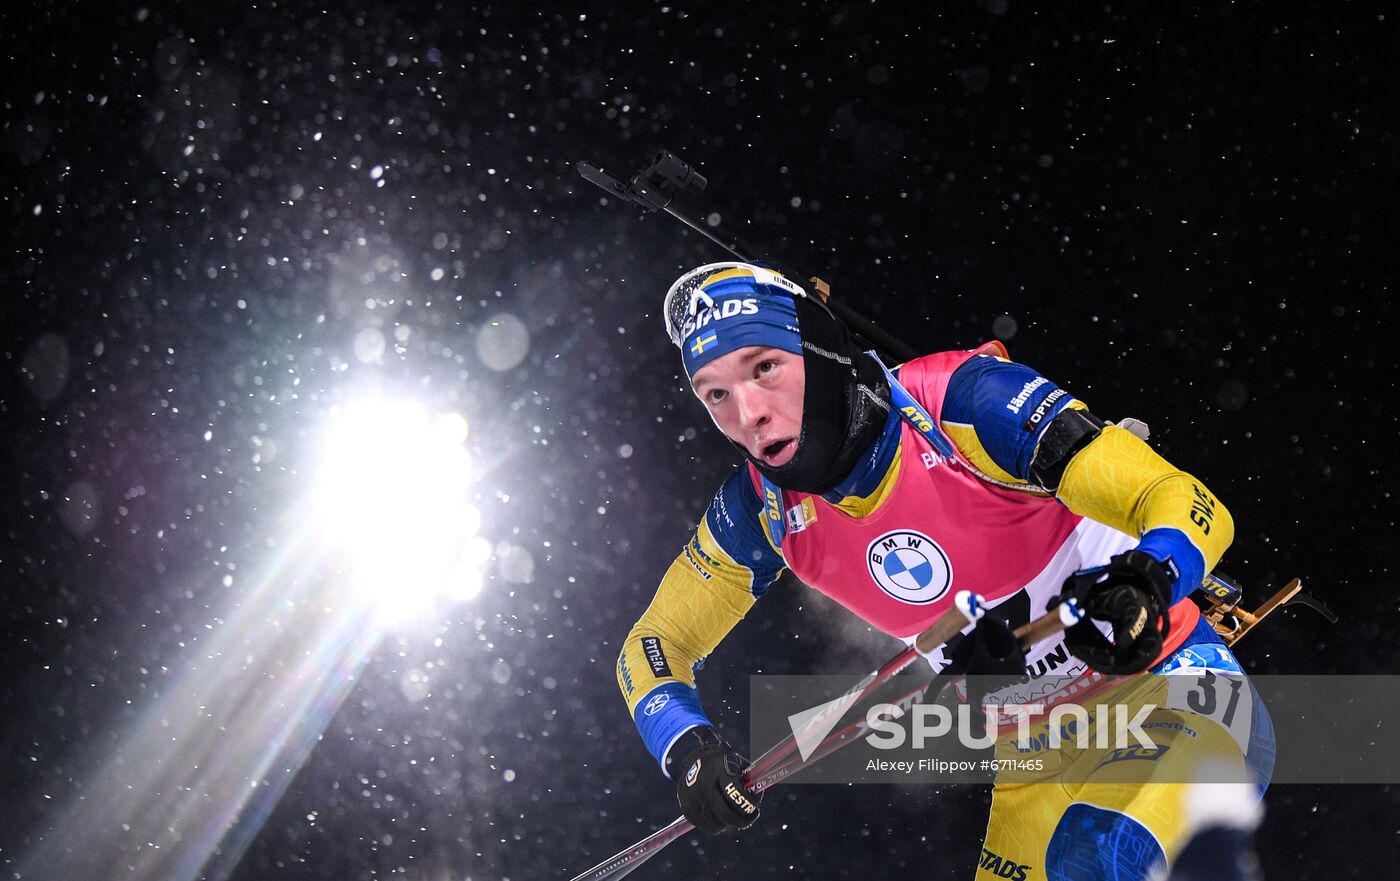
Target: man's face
point(754, 394)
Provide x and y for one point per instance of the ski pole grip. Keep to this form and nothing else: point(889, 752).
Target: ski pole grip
point(1049, 624)
point(967, 607)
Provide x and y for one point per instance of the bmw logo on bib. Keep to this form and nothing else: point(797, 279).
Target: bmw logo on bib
point(909, 566)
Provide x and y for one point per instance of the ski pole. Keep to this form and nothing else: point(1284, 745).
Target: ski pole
point(967, 608)
point(778, 762)
point(831, 743)
point(778, 758)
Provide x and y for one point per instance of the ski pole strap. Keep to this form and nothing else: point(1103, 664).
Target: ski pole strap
point(915, 413)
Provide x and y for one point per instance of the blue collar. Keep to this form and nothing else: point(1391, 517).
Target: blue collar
point(871, 469)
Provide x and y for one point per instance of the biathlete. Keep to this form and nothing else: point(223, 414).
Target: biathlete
point(888, 488)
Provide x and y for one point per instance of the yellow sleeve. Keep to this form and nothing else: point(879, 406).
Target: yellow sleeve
point(969, 443)
point(1120, 481)
point(702, 596)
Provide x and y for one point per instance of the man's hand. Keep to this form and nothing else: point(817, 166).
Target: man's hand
point(1133, 595)
point(997, 660)
point(709, 777)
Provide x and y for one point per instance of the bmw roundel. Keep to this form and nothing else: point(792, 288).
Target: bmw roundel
point(909, 566)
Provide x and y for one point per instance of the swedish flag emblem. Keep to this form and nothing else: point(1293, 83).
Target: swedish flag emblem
point(697, 348)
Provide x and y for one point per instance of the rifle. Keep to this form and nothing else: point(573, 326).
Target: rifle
point(656, 187)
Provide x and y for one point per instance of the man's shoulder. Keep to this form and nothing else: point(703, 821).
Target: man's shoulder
point(732, 528)
point(929, 378)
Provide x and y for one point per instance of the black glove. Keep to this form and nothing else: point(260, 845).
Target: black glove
point(1133, 593)
point(997, 660)
point(709, 778)
point(995, 649)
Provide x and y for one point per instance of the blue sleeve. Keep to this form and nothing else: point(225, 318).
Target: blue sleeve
point(670, 710)
point(1172, 548)
point(734, 519)
point(1007, 404)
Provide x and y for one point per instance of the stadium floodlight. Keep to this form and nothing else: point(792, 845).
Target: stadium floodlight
point(392, 501)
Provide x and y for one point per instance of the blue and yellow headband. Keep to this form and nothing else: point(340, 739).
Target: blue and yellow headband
point(721, 307)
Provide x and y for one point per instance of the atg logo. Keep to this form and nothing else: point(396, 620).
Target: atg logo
point(909, 566)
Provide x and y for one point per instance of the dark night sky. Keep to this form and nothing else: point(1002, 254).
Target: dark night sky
point(219, 223)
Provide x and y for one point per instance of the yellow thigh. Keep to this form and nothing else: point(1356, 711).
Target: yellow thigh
point(1151, 785)
point(1023, 817)
point(1147, 785)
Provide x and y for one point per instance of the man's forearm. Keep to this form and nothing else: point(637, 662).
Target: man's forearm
point(1120, 481)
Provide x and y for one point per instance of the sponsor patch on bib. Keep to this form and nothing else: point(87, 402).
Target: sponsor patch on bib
point(909, 566)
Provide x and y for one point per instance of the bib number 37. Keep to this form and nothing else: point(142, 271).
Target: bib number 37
point(1224, 698)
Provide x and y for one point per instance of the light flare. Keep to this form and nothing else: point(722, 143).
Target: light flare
point(392, 502)
point(196, 773)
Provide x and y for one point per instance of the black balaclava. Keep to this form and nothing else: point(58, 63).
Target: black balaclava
point(722, 307)
point(844, 408)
